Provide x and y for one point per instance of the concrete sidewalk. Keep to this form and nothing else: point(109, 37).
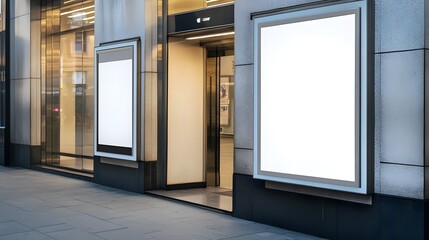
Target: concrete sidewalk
point(36, 205)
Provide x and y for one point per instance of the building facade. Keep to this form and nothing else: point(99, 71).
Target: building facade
point(307, 115)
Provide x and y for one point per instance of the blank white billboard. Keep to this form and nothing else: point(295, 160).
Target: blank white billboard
point(115, 103)
point(308, 98)
point(116, 100)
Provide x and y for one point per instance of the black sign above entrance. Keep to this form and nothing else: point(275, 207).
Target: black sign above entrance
point(200, 20)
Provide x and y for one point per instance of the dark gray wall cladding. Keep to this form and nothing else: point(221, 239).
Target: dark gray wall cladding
point(387, 217)
point(122, 177)
point(399, 89)
point(21, 155)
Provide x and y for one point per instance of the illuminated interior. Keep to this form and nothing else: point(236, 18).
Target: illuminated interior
point(201, 77)
point(67, 83)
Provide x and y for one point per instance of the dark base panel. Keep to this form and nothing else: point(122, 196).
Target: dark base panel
point(427, 220)
point(24, 155)
point(186, 186)
point(35, 155)
point(125, 178)
point(2, 155)
point(2, 146)
point(387, 218)
point(150, 171)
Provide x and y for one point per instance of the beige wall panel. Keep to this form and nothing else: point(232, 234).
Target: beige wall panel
point(185, 157)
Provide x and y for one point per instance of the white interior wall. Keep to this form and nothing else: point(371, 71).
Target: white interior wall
point(186, 144)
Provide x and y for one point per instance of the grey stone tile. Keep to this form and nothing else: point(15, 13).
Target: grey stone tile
point(57, 201)
point(426, 182)
point(178, 236)
point(123, 19)
point(20, 111)
point(377, 34)
point(20, 47)
point(85, 207)
point(402, 112)
point(243, 162)
point(90, 224)
point(400, 180)
point(33, 235)
point(244, 26)
point(123, 234)
point(232, 232)
point(109, 213)
point(184, 230)
point(426, 24)
point(377, 134)
point(426, 80)
point(27, 203)
point(7, 211)
point(273, 236)
point(117, 204)
point(244, 104)
point(299, 236)
point(401, 24)
point(12, 227)
point(73, 235)
point(135, 223)
point(42, 217)
point(243, 42)
point(19, 8)
point(55, 228)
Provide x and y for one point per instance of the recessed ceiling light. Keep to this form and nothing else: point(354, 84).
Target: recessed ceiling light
point(210, 35)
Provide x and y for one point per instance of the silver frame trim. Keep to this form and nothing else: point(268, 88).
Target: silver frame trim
point(134, 45)
point(361, 184)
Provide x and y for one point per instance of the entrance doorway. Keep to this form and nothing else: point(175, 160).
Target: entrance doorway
point(200, 141)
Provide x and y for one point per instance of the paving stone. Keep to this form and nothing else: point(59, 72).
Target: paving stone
point(55, 228)
point(73, 234)
point(33, 235)
point(122, 234)
point(36, 205)
point(11, 227)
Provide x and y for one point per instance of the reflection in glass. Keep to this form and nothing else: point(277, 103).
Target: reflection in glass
point(180, 6)
point(68, 88)
point(76, 16)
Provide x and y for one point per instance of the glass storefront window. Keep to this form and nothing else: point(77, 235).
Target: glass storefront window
point(180, 6)
point(67, 85)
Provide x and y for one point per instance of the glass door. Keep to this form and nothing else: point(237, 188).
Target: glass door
point(220, 115)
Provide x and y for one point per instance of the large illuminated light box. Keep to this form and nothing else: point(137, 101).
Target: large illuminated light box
point(310, 97)
point(116, 100)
